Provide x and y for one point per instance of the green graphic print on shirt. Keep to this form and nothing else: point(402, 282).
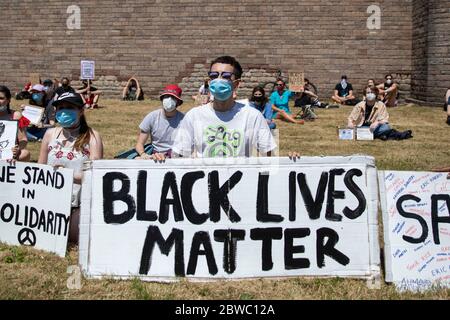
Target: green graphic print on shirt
point(222, 143)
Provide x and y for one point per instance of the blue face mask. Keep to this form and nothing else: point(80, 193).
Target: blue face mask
point(67, 118)
point(37, 98)
point(221, 89)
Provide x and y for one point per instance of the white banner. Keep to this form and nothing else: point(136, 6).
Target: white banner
point(35, 204)
point(416, 220)
point(208, 219)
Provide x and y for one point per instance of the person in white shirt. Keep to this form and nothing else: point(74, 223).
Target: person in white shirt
point(223, 128)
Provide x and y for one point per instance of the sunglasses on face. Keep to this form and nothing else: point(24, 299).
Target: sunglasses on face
point(224, 75)
point(280, 84)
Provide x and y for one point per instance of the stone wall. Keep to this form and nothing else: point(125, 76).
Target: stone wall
point(173, 41)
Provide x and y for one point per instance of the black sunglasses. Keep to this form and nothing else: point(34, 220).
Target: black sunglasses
point(224, 75)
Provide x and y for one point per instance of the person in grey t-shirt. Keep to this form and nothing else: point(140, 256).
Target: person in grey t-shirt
point(160, 126)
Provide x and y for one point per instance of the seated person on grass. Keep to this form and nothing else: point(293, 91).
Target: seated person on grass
point(25, 93)
point(259, 101)
point(309, 96)
point(280, 103)
point(64, 87)
point(160, 126)
point(389, 91)
point(39, 99)
point(343, 93)
point(90, 94)
point(133, 91)
point(372, 113)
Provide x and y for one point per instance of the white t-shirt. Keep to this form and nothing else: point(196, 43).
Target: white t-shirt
point(212, 134)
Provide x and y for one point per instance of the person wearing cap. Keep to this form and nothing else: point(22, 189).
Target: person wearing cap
point(160, 126)
point(39, 99)
point(343, 93)
point(20, 152)
point(224, 128)
point(69, 145)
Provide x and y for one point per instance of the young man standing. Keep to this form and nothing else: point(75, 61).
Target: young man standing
point(224, 128)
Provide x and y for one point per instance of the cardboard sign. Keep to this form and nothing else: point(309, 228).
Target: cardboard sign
point(346, 134)
point(8, 137)
point(416, 220)
point(296, 81)
point(35, 78)
point(34, 114)
point(210, 219)
point(364, 134)
point(35, 204)
point(87, 70)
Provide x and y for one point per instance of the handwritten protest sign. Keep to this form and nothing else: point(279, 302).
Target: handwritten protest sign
point(35, 78)
point(8, 137)
point(296, 81)
point(34, 114)
point(416, 219)
point(87, 70)
point(35, 203)
point(214, 219)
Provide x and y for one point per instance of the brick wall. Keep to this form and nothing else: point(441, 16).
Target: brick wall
point(431, 50)
point(173, 41)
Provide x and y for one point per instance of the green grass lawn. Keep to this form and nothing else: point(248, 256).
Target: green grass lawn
point(30, 274)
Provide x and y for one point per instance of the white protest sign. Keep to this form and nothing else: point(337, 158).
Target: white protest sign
point(210, 219)
point(35, 204)
point(8, 137)
point(416, 220)
point(346, 134)
point(87, 70)
point(364, 134)
point(34, 114)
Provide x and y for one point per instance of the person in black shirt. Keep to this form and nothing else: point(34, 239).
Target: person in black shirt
point(65, 87)
point(308, 96)
point(343, 93)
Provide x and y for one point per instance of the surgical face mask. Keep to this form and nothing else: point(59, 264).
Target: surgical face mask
point(67, 118)
point(371, 97)
point(169, 104)
point(221, 89)
point(3, 109)
point(37, 99)
point(389, 82)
